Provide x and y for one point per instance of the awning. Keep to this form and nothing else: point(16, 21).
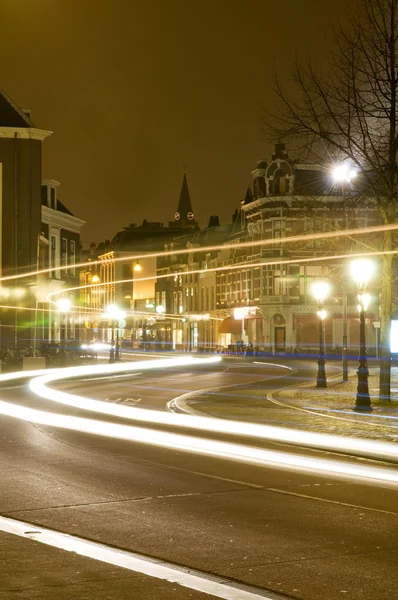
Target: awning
point(230, 325)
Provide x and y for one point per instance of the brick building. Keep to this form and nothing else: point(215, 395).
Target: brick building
point(20, 215)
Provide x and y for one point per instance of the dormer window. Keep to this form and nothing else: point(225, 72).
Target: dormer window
point(278, 178)
point(49, 193)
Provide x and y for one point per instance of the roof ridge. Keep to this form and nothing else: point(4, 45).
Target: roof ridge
point(15, 106)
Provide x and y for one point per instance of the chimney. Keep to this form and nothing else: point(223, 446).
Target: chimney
point(280, 151)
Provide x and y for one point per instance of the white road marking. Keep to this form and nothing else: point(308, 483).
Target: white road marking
point(189, 578)
point(97, 378)
point(131, 400)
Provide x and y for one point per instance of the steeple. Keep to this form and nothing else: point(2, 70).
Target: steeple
point(184, 211)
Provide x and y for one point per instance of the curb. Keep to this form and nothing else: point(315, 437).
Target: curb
point(180, 403)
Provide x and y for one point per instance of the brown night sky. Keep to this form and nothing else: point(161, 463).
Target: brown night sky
point(133, 89)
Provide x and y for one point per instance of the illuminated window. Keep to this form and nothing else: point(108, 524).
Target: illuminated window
point(53, 252)
point(64, 251)
point(72, 256)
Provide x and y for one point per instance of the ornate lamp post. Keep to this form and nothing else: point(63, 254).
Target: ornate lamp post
point(362, 270)
point(320, 291)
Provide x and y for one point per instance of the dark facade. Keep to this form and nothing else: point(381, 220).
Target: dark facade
point(20, 195)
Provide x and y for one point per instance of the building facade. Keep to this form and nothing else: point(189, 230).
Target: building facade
point(257, 291)
point(60, 252)
point(129, 283)
point(20, 217)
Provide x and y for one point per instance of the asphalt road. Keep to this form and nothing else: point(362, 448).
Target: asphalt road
point(290, 532)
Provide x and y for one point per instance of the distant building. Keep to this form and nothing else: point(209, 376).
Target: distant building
point(190, 297)
point(136, 291)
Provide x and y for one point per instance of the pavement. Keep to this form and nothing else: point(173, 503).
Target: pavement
point(300, 405)
point(33, 571)
point(288, 532)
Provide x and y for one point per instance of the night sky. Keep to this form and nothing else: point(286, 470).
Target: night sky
point(133, 89)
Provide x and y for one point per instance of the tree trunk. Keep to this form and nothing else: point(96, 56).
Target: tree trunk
point(385, 321)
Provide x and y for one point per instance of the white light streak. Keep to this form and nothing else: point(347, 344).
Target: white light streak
point(203, 446)
point(251, 244)
point(38, 385)
point(239, 266)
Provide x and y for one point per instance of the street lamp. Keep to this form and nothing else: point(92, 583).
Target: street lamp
point(116, 315)
point(137, 267)
point(64, 306)
point(320, 291)
point(344, 173)
point(362, 270)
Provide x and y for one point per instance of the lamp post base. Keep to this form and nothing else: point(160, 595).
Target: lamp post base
point(362, 408)
point(362, 400)
point(112, 355)
point(321, 381)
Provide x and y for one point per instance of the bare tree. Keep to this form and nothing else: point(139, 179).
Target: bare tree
point(349, 111)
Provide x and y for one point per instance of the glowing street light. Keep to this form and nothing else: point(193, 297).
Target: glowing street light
point(343, 173)
point(116, 315)
point(160, 309)
point(137, 267)
point(362, 270)
point(239, 315)
point(320, 291)
point(95, 279)
point(63, 304)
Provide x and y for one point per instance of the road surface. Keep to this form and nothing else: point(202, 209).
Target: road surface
point(281, 531)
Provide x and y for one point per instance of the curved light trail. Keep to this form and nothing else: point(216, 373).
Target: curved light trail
point(239, 266)
point(187, 443)
point(39, 385)
point(251, 244)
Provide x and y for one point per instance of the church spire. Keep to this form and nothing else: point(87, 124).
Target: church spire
point(184, 211)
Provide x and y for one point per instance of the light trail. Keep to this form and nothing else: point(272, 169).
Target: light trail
point(202, 446)
point(240, 266)
point(251, 244)
point(369, 448)
point(186, 443)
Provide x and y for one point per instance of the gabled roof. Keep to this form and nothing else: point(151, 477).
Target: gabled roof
point(248, 197)
point(62, 208)
point(10, 114)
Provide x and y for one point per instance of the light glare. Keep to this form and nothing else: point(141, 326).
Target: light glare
point(320, 290)
point(362, 270)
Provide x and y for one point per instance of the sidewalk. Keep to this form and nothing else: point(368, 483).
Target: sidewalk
point(305, 407)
